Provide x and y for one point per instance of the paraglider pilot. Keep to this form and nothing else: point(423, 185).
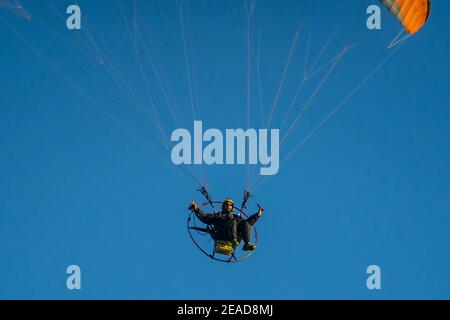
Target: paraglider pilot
point(228, 226)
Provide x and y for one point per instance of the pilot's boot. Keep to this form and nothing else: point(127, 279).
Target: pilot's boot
point(248, 246)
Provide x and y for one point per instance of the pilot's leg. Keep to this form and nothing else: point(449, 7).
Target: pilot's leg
point(234, 229)
point(245, 229)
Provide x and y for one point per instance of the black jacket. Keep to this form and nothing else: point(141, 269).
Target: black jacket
point(218, 220)
point(226, 226)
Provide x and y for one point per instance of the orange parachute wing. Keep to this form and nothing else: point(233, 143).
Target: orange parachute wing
point(412, 13)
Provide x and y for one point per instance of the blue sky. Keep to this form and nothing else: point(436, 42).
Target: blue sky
point(86, 181)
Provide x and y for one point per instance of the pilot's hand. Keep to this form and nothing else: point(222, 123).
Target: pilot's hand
point(193, 206)
point(260, 211)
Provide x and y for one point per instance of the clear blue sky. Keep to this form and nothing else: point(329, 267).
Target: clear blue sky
point(84, 180)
